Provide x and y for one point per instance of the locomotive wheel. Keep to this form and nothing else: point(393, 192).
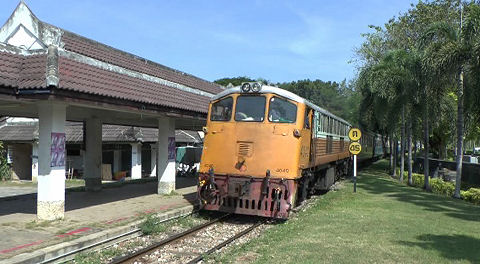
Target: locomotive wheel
point(303, 190)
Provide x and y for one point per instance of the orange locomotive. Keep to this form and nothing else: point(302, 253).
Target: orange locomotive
point(265, 148)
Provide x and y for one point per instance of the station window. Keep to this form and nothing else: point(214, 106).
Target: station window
point(282, 111)
point(222, 110)
point(250, 108)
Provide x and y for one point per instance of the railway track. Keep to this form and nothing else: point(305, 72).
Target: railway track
point(68, 256)
point(192, 245)
point(176, 248)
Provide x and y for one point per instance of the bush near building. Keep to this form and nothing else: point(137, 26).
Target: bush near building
point(5, 173)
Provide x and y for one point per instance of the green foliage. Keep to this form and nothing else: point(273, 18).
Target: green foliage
point(472, 195)
point(95, 257)
point(418, 180)
point(5, 173)
point(447, 188)
point(441, 187)
point(339, 98)
point(234, 81)
point(152, 225)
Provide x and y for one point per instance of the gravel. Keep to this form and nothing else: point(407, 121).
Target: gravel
point(194, 245)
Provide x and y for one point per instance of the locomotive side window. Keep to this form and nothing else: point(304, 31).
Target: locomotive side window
point(306, 123)
point(222, 110)
point(250, 108)
point(282, 111)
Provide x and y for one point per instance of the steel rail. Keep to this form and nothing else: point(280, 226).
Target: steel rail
point(226, 242)
point(144, 251)
point(110, 239)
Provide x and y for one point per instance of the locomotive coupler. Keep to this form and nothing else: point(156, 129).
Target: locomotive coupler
point(277, 197)
point(265, 183)
point(211, 179)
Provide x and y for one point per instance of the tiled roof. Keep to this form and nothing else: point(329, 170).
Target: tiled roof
point(89, 67)
point(23, 72)
point(23, 133)
point(32, 74)
point(10, 65)
point(84, 78)
point(99, 51)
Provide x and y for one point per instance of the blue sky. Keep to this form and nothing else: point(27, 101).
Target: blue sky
point(276, 40)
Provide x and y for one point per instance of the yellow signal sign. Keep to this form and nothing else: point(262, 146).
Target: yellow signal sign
point(355, 148)
point(354, 134)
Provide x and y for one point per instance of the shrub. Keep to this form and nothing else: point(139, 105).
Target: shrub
point(441, 187)
point(152, 225)
point(472, 195)
point(5, 173)
point(418, 180)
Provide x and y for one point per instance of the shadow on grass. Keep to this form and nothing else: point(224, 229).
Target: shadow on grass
point(455, 247)
point(377, 182)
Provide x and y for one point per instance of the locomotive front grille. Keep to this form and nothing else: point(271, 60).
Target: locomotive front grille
point(244, 149)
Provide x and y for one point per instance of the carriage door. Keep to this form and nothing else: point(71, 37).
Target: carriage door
point(306, 138)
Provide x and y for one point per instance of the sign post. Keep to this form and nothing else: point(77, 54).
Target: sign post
point(355, 148)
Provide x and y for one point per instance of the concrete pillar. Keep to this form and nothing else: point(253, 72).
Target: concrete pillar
point(93, 155)
point(51, 161)
point(166, 155)
point(35, 161)
point(153, 160)
point(136, 171)
point(117, 160)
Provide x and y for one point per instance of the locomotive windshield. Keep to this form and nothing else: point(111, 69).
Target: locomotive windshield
point(250, 108)
point(222, 110)
point(282, 111)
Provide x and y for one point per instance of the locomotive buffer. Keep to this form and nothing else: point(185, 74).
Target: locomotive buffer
point(355, 148)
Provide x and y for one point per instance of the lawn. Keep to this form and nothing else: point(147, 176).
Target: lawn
point(384, 222)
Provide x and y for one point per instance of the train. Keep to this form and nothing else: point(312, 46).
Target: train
point(266, 149)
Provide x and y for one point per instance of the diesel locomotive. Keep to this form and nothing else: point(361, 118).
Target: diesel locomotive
point(266, 148)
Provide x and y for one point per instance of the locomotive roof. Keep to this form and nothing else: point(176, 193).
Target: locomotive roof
point(281, 92)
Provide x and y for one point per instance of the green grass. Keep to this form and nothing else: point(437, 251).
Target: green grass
point(384, 222)
point(17, 184)
point(74, 183)
point(94, 257)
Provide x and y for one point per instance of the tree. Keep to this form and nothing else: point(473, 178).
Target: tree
point(451, 51)
point(234, 81)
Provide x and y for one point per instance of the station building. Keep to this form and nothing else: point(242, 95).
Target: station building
point(57, 77)
point(120, 149)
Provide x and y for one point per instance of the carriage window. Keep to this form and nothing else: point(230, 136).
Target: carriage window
point(282, 111)
point(325, 124)
point(222, 110)
point(250, 108)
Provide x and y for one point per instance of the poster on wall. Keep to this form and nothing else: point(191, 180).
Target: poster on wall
point(171, 148)
point(57, 150)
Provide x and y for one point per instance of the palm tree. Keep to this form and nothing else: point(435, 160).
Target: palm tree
point(451, 49)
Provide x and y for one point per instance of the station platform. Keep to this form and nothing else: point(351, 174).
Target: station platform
point(88, 217)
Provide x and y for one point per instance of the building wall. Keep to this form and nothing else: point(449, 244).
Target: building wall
point(21, 161)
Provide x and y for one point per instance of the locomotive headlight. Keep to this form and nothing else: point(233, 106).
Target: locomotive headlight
point(256, 87)
point(246, 87)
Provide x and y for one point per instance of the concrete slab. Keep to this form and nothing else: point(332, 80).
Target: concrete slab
point(86, 214)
